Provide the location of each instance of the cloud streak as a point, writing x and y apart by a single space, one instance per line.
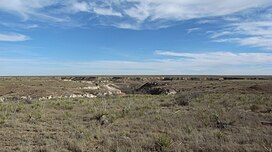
256 34
173 63
133 11
221 58
253 28
184 10
13 37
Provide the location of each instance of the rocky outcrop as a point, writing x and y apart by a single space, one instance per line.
155 88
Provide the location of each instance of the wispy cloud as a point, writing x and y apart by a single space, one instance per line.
253 28
134 11
80 7
222 58
173 63
127 26
106 12
183 9
19 25
192 30
26 8
13 37
256 34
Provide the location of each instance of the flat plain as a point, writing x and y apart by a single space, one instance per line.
136 113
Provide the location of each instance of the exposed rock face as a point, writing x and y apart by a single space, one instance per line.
172 92
155 88
82 96
46 98
14 89
111 88
79 78
91 88
86 95
26 99
97 86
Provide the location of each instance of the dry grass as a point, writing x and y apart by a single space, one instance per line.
211 122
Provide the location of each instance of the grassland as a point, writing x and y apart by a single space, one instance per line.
191 120
211 122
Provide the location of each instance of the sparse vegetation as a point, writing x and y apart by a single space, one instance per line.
184 99
163 143
212 121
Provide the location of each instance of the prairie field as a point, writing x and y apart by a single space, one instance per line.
140 113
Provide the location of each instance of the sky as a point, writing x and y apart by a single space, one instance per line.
135 37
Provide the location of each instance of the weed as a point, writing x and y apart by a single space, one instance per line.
3 118
214 117
63 105
34 116
219 134
184 99
67 115
72 146
124 112
163 142
188 129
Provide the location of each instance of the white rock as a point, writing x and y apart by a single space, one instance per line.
91 87
172 92
67 80
50 97
2 99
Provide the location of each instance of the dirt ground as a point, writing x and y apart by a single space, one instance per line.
135 114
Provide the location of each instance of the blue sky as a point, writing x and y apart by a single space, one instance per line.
123 37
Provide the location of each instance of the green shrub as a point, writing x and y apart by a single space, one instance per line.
163 143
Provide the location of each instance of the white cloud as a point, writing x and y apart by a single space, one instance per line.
19 25
25 7
205 21
264 42
192 30
251 29
31 26
107 12
14 37
220 34
232 19
253 33
127 26
80 7
221 58
139 11
184 9
254 28
182 63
